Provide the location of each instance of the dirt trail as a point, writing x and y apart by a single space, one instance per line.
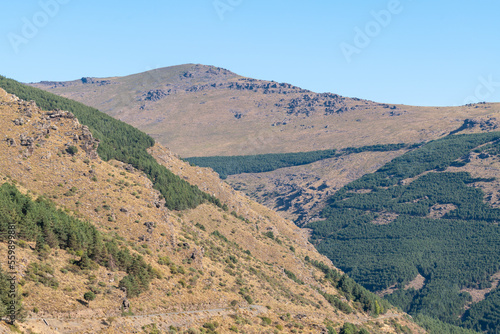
47 325
44 325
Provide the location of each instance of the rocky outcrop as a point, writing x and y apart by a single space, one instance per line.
483 124
88 143
206 73
156 94
59 114
26 141
89 80
310 103
20 121
11 141
54 84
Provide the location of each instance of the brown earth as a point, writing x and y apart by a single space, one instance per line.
118 200
299 193
417 283
199 110
479 294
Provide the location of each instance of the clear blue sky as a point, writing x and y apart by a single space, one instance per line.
423 53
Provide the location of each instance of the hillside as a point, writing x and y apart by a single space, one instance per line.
238 267
415 224
423 230
202 111
199 110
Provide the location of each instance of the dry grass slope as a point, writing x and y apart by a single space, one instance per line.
206 277
199 110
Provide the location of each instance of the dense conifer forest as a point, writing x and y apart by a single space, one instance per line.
260 163
379 230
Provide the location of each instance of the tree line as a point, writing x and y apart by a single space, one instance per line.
118 141
260 163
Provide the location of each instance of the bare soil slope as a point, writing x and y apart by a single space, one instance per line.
199 110
235 276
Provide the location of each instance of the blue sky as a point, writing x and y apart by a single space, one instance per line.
396 51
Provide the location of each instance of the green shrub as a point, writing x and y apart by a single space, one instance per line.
43 273
331 330
200 226
348 328
292 276
211 325
72 150
269 234
89 296
164 260
219 235
266 321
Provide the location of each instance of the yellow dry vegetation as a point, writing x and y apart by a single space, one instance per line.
200 115
206 276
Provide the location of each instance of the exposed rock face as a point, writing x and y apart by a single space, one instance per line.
20 121
156 94
309 103
201 71
26 141
88 143
60 114
125 304
129 168
483 124
149 226
11 141
54 84
197 256
44 124
305 105
88 80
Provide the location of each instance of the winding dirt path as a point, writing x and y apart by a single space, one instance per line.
129 324
48 325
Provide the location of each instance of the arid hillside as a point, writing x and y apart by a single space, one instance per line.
239 269
199 110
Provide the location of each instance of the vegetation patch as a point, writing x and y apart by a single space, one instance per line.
119 141
368 301
51 228
458 249
260 163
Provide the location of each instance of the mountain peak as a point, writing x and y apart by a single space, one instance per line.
220 263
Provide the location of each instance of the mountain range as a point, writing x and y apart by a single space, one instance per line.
116 234
199 111
403 199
